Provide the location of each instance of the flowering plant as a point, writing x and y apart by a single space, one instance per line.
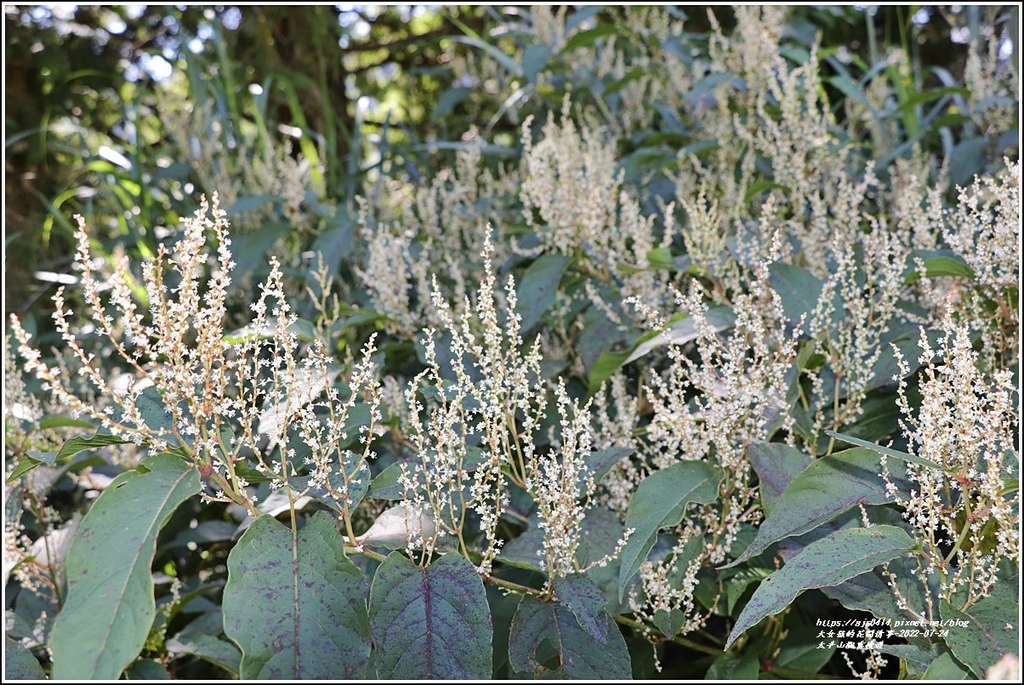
714 379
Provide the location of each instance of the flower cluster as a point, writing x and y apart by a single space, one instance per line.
436 232
226 400
480 434
962 508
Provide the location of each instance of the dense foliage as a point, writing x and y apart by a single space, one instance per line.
512 342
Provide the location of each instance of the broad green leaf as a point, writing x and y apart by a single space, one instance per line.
578 594
503 606
825 563
888 451
535 59
604 368
776 466
684 330
602 531
249 203
587 38
870 591
431 622
798 288
385 484
945 667
250 248
917 656
208 648
334 242
733 666
296 605
110 605
537 289
448 101
153 410
602 335
659 502
979 635
936 263
602 461
799 650
827 488
147 669
19 664
660 258
967 158
577 654
758 187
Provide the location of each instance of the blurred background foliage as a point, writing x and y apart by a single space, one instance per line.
125 114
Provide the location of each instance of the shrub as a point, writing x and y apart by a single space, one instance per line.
687 372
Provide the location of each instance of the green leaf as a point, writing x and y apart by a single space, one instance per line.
587 38
888 451
448 101
733 666
602 529
27 463
937 263
945 667
659 502
495 53
249 203
296 605
73 446
604 368
249 249
776 466
684 330
431 622
799 650
148 669
798 288
19 664
535 59
924 96
201 638
827 488
385 485
827 562
602 335
758 187
153 410
63 422
537 289
966 159
578 594
979 635
660 258
602 461
870 591
539 625
110 606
